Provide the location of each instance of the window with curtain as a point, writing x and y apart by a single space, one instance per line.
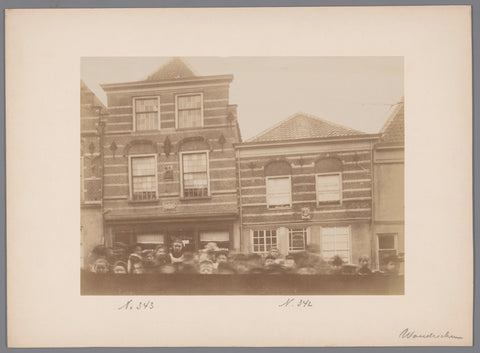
189 111
144 178
146 113
336 241
195 174
297 239
279 192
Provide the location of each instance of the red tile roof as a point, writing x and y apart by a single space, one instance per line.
174 69
303 126
393 131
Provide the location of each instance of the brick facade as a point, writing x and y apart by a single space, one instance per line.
238 207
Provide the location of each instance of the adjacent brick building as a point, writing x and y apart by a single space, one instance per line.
91 129
307 182
389 188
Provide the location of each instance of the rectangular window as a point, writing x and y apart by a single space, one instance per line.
222 239
195 174
336 241
150 239
329 188
143 178
147 113
189 111
264 240
297 239
387 246
279 192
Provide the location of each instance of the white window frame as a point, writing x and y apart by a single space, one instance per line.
305 236
252 232
130 176
201 110
181 172
134 108
340 191
349 241
267 190
395 244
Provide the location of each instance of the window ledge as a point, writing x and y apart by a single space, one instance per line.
328 203
143 202
279 208
195 198
91 204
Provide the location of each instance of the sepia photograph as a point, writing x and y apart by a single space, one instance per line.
242 175
276 170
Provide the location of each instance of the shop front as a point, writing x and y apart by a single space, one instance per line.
195 233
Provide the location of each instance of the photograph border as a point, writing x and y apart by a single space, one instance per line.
249 3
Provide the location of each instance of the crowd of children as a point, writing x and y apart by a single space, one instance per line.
212 260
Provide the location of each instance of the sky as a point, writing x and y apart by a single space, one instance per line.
357 92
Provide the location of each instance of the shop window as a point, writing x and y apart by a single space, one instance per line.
150 241
297 239
189 111
195 179
222 239
146 113
336 241
143 171
264 240
187 238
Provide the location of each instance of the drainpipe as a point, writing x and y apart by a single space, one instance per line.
101 128
372 193
237 155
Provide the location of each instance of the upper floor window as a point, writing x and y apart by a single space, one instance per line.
189 110
279 192
146 113
278 184
329 188
195 179
328 180
143 178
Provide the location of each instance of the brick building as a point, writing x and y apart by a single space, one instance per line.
389 187
307 182
165 160
169 161
91 125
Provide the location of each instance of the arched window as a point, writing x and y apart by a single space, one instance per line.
279 184
328 181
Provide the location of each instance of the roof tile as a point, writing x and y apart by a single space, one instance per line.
394 129
174 69
303 126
